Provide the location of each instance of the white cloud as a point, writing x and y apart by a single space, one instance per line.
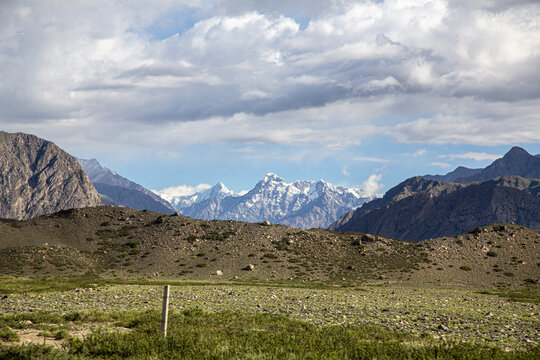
87 73
473 156
180 190
417 153
372 185
345 171
441 164
370 159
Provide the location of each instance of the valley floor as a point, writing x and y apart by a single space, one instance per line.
435 314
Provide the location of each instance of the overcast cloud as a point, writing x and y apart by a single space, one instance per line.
300 73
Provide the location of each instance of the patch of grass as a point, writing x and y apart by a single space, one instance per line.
526 295
31 352
17 285
115 233
194 334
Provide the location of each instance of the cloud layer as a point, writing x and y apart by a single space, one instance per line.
327 73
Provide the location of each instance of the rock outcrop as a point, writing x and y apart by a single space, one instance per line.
37 178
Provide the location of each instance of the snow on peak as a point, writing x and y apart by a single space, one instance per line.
272 177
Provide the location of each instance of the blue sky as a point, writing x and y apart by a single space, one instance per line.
196 92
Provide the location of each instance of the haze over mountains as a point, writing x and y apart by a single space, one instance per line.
37 177
421 207
301 204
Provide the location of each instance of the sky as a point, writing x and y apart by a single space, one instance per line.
177 93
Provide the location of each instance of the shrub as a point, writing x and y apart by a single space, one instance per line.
465 268
491 253
7 334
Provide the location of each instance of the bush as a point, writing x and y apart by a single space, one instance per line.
61 334
7 334
491 253
465 268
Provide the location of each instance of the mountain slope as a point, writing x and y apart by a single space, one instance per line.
37 177
407 188
459 172
120 191
301 204
424 215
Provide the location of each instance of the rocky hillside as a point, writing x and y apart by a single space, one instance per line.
116 190
301 204
113 241
37 177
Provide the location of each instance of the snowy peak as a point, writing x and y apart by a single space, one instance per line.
272 177
303 204
217 191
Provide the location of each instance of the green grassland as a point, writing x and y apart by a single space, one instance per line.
90 317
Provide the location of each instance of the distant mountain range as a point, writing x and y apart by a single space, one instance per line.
37 178
116 190
426 207
302 204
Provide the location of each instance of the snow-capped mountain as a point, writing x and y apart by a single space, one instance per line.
185 201
302 204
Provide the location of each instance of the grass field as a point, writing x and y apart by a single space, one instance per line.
90 317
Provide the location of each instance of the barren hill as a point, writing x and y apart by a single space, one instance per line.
120 241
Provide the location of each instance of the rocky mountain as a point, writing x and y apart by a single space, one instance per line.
426 215
421 208
301 204
37 177
116 190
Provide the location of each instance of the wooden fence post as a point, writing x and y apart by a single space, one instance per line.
165 310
